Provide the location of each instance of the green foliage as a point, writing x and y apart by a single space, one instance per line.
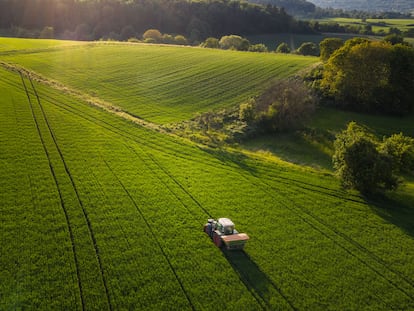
308 49
247 111
212 43
283 48
180 40
234 42
394 39
401 149
284 106
371 77
260 47
152 34
137 199
328 46
359 164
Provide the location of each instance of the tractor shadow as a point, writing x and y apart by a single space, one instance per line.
256 281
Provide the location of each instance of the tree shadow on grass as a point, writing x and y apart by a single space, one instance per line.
231 157
263 289
308 147
396 208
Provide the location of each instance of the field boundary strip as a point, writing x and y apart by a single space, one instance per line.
90 100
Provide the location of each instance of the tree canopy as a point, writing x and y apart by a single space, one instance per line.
197 20
371 76
359 164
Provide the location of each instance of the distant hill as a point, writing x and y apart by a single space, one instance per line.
403 6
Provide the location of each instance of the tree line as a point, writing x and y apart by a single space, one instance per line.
96 19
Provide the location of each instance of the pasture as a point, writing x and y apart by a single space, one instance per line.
98 212
161 84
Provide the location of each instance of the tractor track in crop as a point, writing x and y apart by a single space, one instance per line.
261 300
315 222
152 234
62 204
288 181
85 214
135 138
131 137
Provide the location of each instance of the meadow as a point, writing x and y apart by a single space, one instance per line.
161 84
98 212
377 24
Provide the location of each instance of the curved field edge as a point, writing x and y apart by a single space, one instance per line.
147 196
162 84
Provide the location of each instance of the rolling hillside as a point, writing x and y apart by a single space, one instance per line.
161 83
98 212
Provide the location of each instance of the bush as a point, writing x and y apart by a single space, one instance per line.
401 149
212 43
283 48
285 106
328 46
359 164
234 42
308 49
260 47
152 35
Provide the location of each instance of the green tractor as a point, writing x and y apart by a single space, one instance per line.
223 234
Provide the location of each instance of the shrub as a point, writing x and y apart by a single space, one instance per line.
152 35
234 42
212 43
260 47
401 149
308 49
283 48
359 164
285 106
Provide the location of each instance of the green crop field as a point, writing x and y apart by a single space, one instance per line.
162 83
100 213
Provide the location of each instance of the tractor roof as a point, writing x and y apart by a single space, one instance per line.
226 222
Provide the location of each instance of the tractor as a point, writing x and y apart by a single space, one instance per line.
223 234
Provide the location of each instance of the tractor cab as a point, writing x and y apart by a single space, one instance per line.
225 226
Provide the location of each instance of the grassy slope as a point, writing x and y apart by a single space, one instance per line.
163 83
146 196
314 146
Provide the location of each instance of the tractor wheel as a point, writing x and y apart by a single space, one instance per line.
217 240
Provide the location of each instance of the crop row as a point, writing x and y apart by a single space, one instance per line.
162 84
302 278
124 241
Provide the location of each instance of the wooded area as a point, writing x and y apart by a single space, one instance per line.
92 20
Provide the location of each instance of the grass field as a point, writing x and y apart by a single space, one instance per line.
377 24
162 83
97 212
